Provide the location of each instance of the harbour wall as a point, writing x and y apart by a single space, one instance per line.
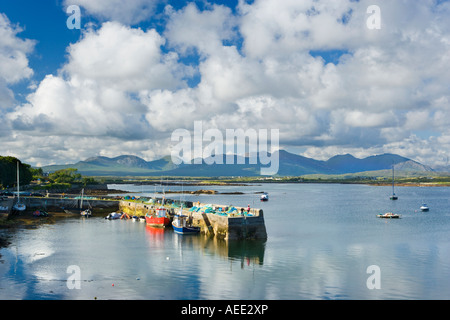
60 203
231 227
228 227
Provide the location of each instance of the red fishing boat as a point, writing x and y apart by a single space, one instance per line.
158 219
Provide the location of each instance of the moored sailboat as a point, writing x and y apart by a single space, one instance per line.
393 196
265 196
18 206
83 213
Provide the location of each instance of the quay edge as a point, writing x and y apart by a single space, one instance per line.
57 204
235 227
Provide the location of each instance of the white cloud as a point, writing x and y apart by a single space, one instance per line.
97 92
278 28
13 59
204 31
365 119
123 58
13 52
255 68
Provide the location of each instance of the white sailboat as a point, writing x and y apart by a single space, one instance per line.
393 196
424 207
265 196
84 213
87 212
18 206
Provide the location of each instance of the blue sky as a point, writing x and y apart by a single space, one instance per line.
41 21
138 70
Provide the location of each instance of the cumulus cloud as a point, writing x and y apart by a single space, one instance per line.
265 64
189 28
14 64
124 58
384 83
96 92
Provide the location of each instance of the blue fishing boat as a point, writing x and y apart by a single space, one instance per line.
182 226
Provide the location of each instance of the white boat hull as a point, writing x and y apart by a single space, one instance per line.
19 207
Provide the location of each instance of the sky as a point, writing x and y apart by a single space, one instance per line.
332 76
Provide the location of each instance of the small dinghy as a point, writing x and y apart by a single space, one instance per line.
86 213
264 197
113 216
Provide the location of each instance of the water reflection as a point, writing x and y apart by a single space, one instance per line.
248 251
319 250
155 236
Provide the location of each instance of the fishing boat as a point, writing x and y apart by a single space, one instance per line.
389 215
182 226
393 196
264 197
424 207
18 206
158 219
180 222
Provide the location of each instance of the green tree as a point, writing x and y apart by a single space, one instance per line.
69 175
37 173
8 172
88 180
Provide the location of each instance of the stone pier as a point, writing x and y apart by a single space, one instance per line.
58 204
233 227
227 227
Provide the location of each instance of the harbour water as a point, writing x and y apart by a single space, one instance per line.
322 238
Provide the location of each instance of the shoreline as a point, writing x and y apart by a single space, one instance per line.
27 220
415 184
287 180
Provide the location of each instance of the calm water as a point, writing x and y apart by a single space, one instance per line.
321 240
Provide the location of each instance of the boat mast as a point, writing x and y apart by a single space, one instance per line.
81 204
181 203
393 197
18 183
393 179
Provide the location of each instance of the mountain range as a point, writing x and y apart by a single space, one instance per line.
289 165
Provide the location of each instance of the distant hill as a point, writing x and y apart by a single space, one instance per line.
349 164
120 166
289 165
